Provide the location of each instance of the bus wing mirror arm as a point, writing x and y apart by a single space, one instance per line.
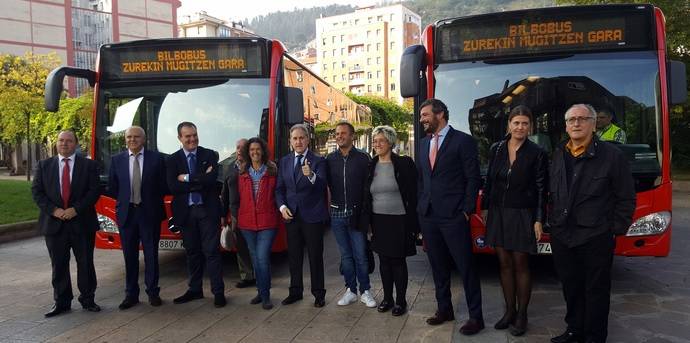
295 105
677 83
412 64
54 82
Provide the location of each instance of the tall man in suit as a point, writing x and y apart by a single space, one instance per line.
137 181
448 170
65 188
192 174
301 198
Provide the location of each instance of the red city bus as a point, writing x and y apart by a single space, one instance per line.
611 57
231 88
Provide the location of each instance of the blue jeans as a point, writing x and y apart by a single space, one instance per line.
259 244
353 254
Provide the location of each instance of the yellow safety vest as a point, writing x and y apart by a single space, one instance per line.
610 133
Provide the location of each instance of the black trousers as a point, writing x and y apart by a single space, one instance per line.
301 234
394 272
449 240
135 230
71 236
201 239
585 272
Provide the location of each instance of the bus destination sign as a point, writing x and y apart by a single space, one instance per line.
463 40
219 60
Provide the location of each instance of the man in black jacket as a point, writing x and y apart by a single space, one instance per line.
348 173
192 174
592 199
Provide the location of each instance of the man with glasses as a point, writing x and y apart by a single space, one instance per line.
592 198
606 130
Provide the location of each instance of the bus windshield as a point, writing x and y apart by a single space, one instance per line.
480 94
222 111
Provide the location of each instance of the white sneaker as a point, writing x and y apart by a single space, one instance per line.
348 298
367 299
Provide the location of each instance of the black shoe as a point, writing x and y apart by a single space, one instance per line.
508 318
440 318
128 303
245 283
188 296
472 326
568 337
266 305
255 300
399 310
519 327
291 299
57 309
219 300
319 302
91 306
384 306
155 300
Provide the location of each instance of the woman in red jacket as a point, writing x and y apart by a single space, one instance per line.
257 216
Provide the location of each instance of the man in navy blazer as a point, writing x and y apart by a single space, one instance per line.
65 188
137 181
192 174
301 198
448 170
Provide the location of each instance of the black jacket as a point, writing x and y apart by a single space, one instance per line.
526 184
347 179
406 177
601 196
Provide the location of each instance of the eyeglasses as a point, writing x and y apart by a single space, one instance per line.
573 120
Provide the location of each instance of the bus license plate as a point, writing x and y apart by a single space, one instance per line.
544 248
170 244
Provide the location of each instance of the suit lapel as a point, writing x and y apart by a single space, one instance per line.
424 154
77 174
54 169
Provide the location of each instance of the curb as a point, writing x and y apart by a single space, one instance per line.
16 231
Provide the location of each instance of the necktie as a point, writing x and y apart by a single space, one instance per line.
65 183
298 166
136 181
434 151
196 197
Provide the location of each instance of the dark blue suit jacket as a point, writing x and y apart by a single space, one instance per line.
202 182
300 195
451 188
153 186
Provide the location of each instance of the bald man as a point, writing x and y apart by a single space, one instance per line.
137 181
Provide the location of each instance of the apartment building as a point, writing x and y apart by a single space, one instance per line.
360 52
201 24
75 29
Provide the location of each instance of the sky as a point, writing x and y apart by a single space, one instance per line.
237 10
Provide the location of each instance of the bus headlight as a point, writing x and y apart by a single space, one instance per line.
107 225
651 224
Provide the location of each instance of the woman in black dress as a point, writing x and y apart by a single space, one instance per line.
514 195
390 209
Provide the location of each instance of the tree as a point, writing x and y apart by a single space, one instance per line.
386 112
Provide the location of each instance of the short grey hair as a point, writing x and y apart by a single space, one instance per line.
588 107
302 127
136 127
387 132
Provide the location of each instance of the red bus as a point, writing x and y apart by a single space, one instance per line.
231 88
611 57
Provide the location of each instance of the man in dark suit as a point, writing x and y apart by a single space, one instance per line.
448 171
301 198
192 174
137 181
65 188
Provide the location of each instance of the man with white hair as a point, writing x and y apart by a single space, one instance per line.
592 198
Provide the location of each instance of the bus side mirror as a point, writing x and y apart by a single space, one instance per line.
677 83
295 105
412 63
53 89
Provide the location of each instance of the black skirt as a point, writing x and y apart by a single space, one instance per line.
511 229
390 236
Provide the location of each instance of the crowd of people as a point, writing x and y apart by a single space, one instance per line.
378 204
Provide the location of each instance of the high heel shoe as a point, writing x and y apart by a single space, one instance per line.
520 326
507 320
